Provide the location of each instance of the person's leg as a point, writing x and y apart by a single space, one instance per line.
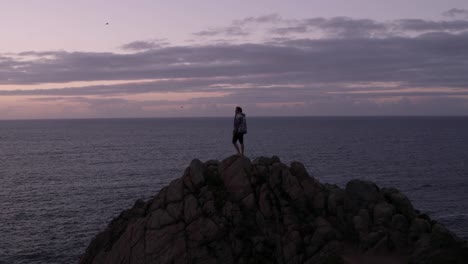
237 148
241 141
234 142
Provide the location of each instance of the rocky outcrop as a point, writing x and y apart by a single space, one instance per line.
238 211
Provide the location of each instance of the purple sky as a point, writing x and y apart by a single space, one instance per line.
59 59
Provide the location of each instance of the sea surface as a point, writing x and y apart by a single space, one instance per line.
62 181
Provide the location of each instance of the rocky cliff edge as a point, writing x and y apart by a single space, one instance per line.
263 211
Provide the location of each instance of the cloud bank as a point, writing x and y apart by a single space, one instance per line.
313 66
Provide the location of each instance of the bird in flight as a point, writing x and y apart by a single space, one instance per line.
107 23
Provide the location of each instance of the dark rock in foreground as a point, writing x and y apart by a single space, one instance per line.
238 211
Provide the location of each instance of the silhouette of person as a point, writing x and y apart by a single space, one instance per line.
240 129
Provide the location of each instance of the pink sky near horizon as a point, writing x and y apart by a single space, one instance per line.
76 32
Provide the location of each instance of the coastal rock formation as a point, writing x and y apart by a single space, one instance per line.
263 211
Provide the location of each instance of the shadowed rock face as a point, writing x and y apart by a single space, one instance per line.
238 211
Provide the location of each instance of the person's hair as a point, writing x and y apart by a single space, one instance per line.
238 109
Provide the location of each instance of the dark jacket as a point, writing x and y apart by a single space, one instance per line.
240 123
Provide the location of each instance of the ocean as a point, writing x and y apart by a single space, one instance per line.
62 181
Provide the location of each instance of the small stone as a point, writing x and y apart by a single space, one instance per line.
175 191
399 223
383 212
418 227
175 210
197 172
191 209
335 199
249 202
160 218
298 170
361 194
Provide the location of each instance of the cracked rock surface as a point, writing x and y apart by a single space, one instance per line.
263 211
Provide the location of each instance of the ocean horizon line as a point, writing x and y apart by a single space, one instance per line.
250 116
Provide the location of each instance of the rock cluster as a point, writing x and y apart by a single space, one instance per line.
262 211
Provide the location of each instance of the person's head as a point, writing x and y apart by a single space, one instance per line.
238 110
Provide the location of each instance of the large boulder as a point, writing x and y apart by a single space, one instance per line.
238 211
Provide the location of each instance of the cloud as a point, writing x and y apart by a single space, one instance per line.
189 85
145 45
226 31
436 59
270 18
394 60
290 30
336 26
424 25
241 28
456 12
345 27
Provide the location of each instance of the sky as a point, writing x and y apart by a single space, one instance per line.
121 59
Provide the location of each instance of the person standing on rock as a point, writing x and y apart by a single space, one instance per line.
240 128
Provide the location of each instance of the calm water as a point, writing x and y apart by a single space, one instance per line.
62 181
